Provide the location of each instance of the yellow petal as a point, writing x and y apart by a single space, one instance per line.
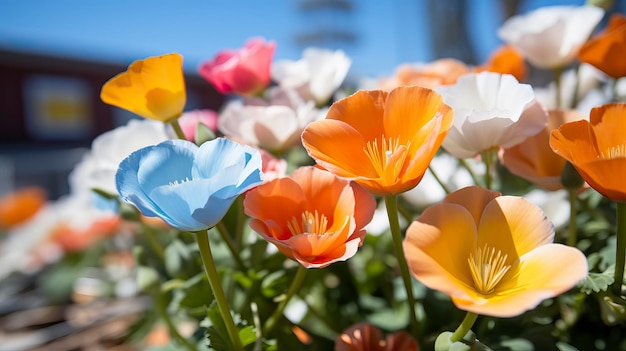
542 273
514 226
473 198
437 247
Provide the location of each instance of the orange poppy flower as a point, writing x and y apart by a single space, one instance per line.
493 255
153 88
506 60
534 160
20 205
383 141
73 239
311 216
606 51
366 337
597 149
431 75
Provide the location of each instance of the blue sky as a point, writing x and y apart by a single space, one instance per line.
121 31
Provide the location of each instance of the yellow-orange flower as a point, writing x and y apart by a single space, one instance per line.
383 141
311 216
493 255
431 75
366 337
506 60
20 205
534 160
607 50
597 149
153 88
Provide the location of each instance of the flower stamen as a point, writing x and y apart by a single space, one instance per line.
314 223
380 156
615 151
488 268
182 181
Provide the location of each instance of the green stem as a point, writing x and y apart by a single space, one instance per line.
576 87
557 82
221 229
572 237
391 202
241 220
179 132
620 255
443 185
295 286
488 160
202 238
465 327
173 331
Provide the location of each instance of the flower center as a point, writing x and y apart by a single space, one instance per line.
614 152
381 155
182 181
314 223
488 268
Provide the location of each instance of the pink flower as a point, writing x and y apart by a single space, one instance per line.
245 71
189 122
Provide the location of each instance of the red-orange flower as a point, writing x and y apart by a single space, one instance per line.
607 50
597 149
493 255
366 337
72 238
153 88
506 60
20 205
534 160
311 216
383 141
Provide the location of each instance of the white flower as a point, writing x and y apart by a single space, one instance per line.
273 125
550 37
316 76
490 110
97 168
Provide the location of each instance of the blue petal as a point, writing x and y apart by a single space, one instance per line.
128 187
168 162
217 155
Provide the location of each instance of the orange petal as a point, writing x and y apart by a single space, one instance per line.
609 126
606 177
363 111
514 226
338 147
574 141
437 246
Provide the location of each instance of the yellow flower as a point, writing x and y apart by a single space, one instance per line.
493 255
153 88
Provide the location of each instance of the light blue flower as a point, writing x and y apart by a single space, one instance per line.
187 186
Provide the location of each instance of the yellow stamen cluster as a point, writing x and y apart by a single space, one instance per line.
314 223
379 155
488 268
614 152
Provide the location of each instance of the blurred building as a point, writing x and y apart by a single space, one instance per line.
50 111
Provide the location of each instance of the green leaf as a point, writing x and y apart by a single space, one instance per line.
146 277
203 134
596 282
175 255
247 335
